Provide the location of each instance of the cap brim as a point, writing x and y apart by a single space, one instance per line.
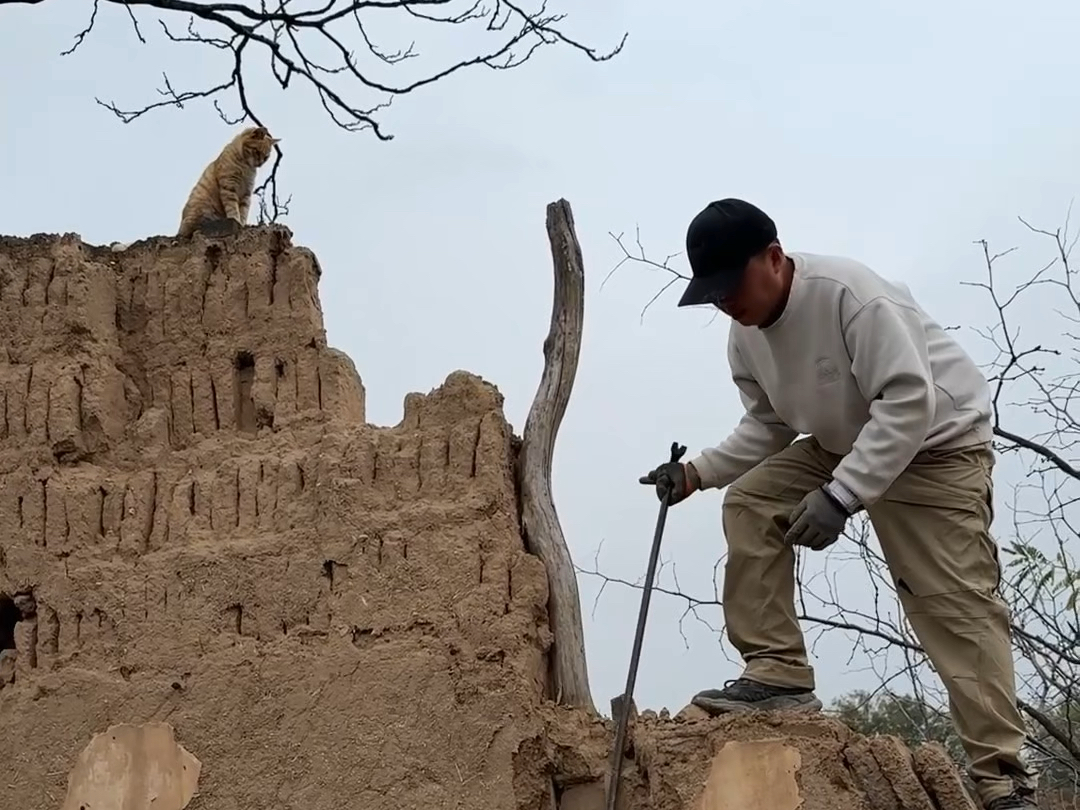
706 290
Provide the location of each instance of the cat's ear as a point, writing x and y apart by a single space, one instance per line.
263 134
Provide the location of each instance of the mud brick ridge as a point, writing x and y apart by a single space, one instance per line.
198 527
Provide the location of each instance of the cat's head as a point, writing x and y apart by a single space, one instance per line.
257 143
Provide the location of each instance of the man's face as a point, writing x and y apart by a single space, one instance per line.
760 291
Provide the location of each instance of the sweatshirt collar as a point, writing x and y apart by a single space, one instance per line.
793 294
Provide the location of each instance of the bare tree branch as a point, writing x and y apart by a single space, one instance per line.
318 46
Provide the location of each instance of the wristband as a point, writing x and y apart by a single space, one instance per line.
843 497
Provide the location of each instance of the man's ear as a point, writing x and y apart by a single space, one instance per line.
774 255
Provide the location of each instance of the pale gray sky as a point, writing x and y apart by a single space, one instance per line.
894 135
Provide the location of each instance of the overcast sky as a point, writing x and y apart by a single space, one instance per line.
896 135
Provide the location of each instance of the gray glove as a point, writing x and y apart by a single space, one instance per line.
681 479
817 521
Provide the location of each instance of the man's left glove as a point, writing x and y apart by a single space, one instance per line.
817 521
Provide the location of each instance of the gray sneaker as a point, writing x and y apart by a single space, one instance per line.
1020 799
744 695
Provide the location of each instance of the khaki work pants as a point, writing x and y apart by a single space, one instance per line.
933 528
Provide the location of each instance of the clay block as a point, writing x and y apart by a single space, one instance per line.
938 774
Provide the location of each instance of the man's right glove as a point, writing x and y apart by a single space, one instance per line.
681 479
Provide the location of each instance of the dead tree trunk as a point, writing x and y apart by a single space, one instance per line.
569 676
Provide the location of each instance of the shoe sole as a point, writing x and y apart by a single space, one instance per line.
714 706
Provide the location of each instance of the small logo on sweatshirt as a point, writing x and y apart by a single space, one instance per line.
827 372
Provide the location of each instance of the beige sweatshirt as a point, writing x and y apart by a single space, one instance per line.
856 363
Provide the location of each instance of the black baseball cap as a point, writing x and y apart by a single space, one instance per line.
719 243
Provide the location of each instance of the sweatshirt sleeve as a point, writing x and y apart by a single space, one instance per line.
891 365
759 434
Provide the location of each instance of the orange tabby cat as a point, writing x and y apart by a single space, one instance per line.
225 186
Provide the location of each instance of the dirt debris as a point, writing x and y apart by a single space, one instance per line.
200 527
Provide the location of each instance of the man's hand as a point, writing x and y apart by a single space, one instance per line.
817 521
681 479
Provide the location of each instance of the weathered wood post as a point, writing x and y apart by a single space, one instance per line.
543 534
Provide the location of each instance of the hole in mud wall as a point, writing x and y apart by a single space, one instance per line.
9 616
245 405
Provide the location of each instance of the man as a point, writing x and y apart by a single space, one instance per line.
897 422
